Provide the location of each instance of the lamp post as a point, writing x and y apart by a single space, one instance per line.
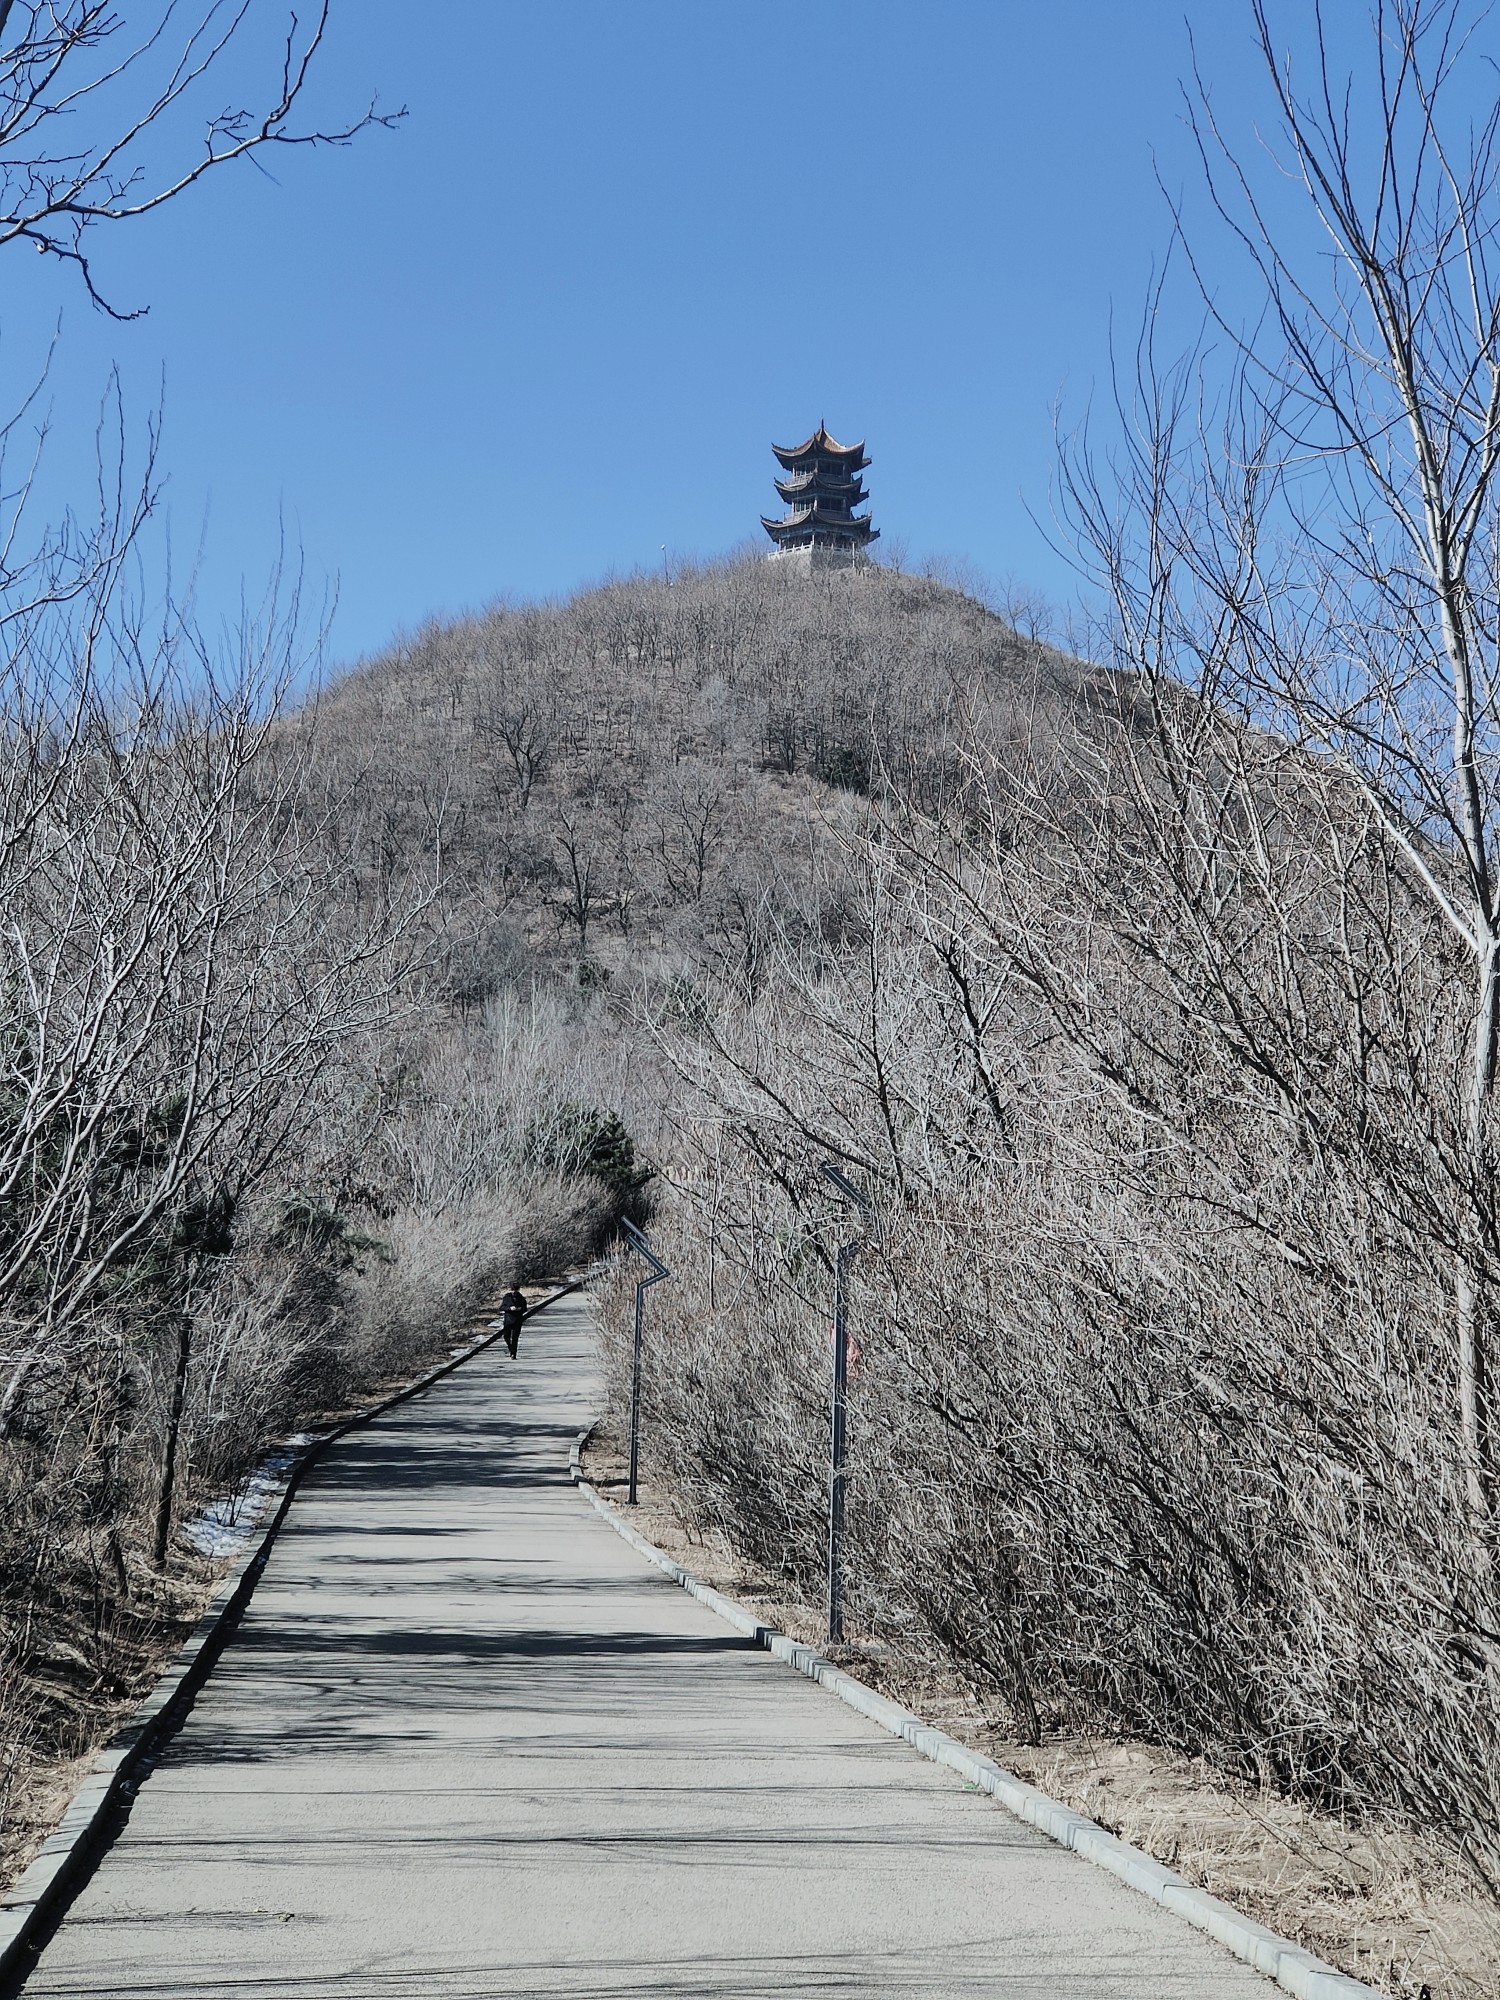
638 1243
843 1258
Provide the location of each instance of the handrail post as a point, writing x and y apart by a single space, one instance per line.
638 1243
843 1257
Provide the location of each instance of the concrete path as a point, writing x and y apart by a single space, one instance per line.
466 1743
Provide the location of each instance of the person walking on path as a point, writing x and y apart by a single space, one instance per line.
512 1312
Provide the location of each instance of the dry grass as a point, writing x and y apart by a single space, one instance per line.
1376 1902
70 1692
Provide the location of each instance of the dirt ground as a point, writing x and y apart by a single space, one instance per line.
1373 1901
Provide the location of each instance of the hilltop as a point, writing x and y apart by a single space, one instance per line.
633 772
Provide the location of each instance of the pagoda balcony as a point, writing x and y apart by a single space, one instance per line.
845 502
835 477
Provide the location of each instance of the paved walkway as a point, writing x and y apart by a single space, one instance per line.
466 1743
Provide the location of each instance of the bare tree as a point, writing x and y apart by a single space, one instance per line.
694 821
1316 544
580 842
182 969
525 733
103 118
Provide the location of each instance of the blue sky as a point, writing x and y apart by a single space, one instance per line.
554 321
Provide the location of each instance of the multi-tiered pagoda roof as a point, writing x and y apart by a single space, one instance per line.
822 487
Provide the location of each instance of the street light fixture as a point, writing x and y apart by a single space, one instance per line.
843 1258
638 1243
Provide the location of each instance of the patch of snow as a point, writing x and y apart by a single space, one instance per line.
228 1523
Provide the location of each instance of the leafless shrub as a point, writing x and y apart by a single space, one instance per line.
1151 1420
438 1267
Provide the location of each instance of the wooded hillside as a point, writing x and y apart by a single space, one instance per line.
326 1023
1125 1012
1137 1024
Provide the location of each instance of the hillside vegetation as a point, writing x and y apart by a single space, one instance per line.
1141 1032
323 1024
1152 1005
1126 1013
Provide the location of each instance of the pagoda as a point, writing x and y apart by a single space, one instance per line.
821 488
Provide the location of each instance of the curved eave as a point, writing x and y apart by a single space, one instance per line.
808 524
820 445
849 492
821 517
853 460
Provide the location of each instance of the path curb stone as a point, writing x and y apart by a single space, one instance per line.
63 1862
1295 1970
